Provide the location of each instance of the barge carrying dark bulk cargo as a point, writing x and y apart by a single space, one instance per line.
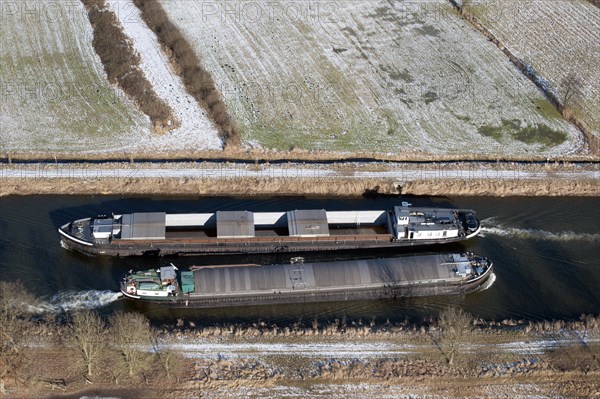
299 282
226 232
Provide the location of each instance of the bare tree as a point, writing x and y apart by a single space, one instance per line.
171 363
131 335
455 329
86 335
15 320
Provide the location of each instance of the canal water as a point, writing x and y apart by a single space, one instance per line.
546 253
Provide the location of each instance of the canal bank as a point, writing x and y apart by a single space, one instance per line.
345 179
279 186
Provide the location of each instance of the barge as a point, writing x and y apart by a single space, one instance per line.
300 282
243 232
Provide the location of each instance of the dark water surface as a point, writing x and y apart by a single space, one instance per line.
546 253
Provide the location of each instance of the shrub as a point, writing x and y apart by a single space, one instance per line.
197 80
121 64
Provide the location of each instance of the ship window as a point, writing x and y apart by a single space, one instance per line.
412 234
149 286
444 233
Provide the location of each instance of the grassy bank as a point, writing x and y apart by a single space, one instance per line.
298 155
298 186
265 360
230 186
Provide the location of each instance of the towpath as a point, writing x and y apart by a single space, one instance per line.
398 172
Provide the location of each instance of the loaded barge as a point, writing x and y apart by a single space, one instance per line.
299 282
227 232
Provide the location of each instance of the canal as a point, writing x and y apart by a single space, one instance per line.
546 253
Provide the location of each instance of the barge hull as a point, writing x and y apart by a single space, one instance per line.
299 282
314 297
246 247
245 232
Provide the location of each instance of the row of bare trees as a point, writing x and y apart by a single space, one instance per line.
123 347
15 304
122 65
127 338
197 79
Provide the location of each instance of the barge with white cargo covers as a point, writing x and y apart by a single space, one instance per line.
300 282
230 232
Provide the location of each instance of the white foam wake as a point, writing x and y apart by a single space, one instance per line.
69 301
534 234
488 283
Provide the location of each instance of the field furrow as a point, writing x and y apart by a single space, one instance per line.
55 96
559 39
194 127
376 76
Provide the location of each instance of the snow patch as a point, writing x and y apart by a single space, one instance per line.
99 397
401 173
314 350
195 128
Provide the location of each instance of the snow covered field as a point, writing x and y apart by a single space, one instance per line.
55 95
558 39
194 126
360 76
376 76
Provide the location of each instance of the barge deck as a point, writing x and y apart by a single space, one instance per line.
299 282
228 232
